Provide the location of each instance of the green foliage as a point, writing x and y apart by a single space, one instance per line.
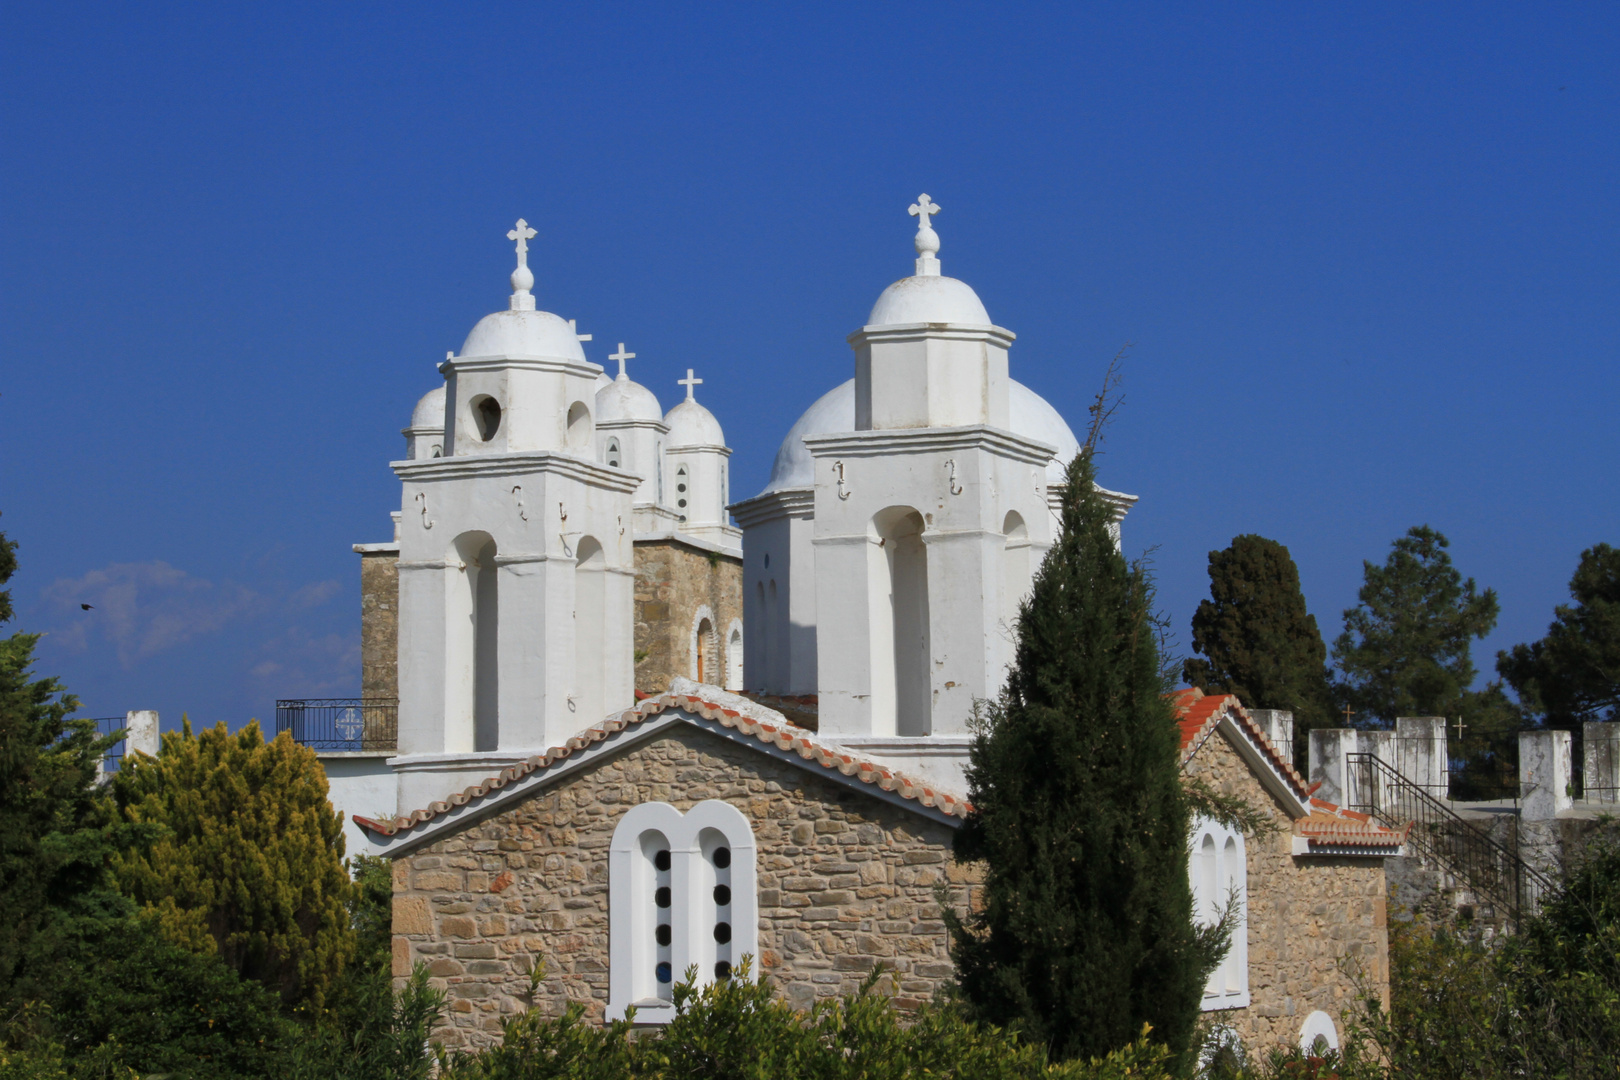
1086 931
1405 650
739 1030
247 857
1259 640
1573 674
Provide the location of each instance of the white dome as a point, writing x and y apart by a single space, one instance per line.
429 412
690 424
1028 414
523 333
602 382
929 299
622 399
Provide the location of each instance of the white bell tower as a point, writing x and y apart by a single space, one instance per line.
924 515
515 566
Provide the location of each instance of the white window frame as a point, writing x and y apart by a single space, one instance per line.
633 952
1218 864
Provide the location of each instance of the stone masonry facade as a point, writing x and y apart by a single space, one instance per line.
1317 924
379 624
674 581
846 882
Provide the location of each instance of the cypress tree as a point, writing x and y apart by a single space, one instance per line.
1086 927
248 861
1258 639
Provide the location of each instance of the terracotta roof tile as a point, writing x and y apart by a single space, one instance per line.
783 736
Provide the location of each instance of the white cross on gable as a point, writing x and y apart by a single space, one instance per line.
923 210
577 334
689 382
522 234
621 356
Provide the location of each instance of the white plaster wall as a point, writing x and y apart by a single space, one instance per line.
359 784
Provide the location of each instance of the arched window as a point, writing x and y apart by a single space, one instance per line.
1318 1033
1015 578
1219 870
471 645
763 675
681 892
900 630
590 600
578 436
734 656
613 452
706 651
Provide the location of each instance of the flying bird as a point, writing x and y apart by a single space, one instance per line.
85 606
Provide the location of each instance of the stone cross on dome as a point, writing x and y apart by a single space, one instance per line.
621 356
522 277
927 240
689 382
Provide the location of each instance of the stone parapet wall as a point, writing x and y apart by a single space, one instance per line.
674 582
1316 924
379 624
846 881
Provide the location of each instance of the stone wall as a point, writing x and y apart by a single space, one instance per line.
379 624
674 581
1316 923
846 881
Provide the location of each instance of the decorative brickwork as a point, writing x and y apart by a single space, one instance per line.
846 881
1316 923
379 624
674 583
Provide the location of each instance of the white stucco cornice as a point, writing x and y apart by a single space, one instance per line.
786 502
522 463
890 441
631 422
556 364
390 548
1000 335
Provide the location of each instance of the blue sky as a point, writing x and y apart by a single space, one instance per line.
1368 260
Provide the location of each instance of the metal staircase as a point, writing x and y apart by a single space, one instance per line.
1493 873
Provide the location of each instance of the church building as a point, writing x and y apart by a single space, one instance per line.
589 774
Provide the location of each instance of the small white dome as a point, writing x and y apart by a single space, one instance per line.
690 424
429 412
1028 414
523 333
930 299
622 399
602 382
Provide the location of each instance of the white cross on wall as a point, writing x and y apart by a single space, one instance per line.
687 382
621 356
923 210
522 234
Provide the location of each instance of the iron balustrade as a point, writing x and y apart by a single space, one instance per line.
106 725
343 724
1492 871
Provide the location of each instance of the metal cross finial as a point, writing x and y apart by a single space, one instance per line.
1460 728
621 356
923 210
522 234
1348 713
687 382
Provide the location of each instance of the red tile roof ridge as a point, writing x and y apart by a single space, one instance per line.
650 706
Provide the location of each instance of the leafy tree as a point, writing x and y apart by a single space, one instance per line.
1086 931
1573 674
1405 650
1260 642
249 862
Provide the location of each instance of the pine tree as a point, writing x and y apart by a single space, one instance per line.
1405 650
1573 674
249 862
47 791
1086 929
1260 642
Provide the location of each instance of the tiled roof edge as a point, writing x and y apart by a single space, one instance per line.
784 736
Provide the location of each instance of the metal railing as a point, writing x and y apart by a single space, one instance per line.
350 724
1491 871
106 725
